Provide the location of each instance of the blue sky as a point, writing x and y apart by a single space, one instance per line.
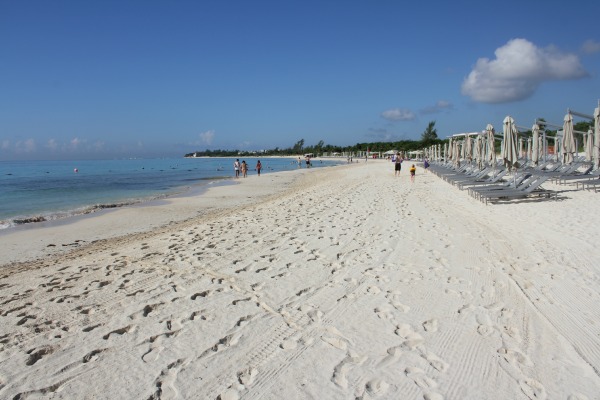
97 79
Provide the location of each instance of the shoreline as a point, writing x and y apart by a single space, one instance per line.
39 239
89 207
65 217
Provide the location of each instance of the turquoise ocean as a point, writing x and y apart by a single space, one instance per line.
32 191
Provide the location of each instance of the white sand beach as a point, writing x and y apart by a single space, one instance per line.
332 283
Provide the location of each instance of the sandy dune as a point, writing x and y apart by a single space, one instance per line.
335 283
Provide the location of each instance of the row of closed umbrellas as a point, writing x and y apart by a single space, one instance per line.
481 147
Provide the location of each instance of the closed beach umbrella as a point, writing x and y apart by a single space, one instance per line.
468 148
479 151
589 145
509 147
568 141
520 151
597 137
456 153
491 145
450 149
535 152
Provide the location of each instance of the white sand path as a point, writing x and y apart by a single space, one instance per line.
349 283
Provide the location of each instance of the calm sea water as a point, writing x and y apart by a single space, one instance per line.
59 189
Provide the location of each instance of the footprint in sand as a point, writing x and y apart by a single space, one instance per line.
384 312
152 354
431 325
436 362
340 371
247 376
420 378
377 387
335 342
288 344
411 338
373 290
432 396
393 356
533 389
515 356
485 330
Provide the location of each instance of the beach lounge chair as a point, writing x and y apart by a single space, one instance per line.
533 187
476 174
490 180
590 184
576 178
513 183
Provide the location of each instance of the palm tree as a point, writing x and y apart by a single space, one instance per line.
430 133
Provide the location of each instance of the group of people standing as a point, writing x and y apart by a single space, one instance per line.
242 168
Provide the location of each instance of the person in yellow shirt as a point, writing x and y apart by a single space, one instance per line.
412 171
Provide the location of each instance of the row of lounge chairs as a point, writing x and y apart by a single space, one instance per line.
492 184
488 184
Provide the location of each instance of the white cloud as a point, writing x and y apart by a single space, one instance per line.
398 114
518 70
27 146
590 47
75 142
207 137
439 106
52 144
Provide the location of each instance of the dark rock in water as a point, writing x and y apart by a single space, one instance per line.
103 206
29 220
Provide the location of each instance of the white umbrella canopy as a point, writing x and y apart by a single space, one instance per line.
491 144
450 149
509 147
589 145
535 151
568 141
597 137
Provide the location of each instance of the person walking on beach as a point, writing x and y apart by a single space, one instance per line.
236 167
244 169
426 164
397 165
258 167
412 171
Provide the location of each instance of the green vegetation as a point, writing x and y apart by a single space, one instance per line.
320 148
428 138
